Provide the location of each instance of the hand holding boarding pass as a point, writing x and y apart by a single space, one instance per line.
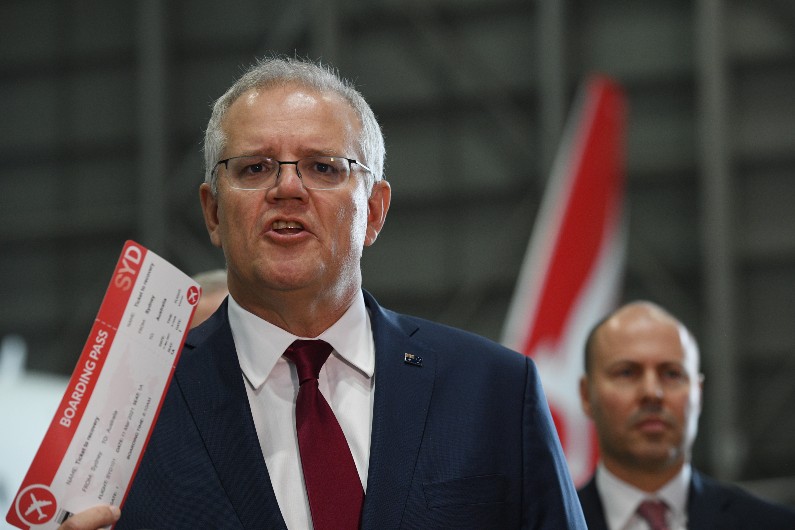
94 443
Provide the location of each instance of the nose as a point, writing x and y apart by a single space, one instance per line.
651 386
288 183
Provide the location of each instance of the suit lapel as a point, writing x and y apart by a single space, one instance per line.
704 504
592 506
400 408
210 380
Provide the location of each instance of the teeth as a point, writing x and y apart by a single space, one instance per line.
279 225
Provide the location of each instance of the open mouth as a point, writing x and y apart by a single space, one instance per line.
287 227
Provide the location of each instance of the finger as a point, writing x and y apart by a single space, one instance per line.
92 518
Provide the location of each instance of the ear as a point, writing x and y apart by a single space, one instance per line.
210 210
700 392
377 207
585 400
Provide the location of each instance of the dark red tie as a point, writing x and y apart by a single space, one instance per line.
654 514
332 482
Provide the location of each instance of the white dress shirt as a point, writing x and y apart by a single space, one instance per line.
621 500
346 381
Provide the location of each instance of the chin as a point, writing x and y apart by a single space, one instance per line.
287 275
661 457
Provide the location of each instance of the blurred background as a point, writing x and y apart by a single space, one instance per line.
103 105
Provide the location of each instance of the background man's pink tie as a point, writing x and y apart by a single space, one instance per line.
654 513
332 482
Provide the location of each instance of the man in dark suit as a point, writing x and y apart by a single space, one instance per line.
642 388
445 429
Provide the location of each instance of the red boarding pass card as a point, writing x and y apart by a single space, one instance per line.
92 448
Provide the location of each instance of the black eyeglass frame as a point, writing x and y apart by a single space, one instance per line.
351 161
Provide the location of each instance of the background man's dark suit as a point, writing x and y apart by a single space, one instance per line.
458 442
710 506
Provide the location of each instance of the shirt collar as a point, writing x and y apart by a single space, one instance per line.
260 344
674 493
625 498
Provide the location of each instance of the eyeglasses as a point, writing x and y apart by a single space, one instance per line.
257 172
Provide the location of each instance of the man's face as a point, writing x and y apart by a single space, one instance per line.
289 238
643 392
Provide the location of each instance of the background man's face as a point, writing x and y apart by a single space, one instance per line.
644 392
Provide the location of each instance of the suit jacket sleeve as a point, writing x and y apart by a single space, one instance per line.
550 498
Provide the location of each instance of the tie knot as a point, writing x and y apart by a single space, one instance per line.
308 357
653 511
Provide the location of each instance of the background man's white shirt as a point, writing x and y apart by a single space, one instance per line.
620 500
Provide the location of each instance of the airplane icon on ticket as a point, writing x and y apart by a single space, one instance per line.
37 505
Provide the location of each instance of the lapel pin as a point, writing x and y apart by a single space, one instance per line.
410 358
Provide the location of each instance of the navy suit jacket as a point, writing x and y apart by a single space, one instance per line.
711 505
463 441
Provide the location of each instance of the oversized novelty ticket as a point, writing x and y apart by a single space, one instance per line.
92 448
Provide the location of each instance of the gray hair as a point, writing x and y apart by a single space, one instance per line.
279 71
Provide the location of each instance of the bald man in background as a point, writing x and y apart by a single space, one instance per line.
643 389
214 291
